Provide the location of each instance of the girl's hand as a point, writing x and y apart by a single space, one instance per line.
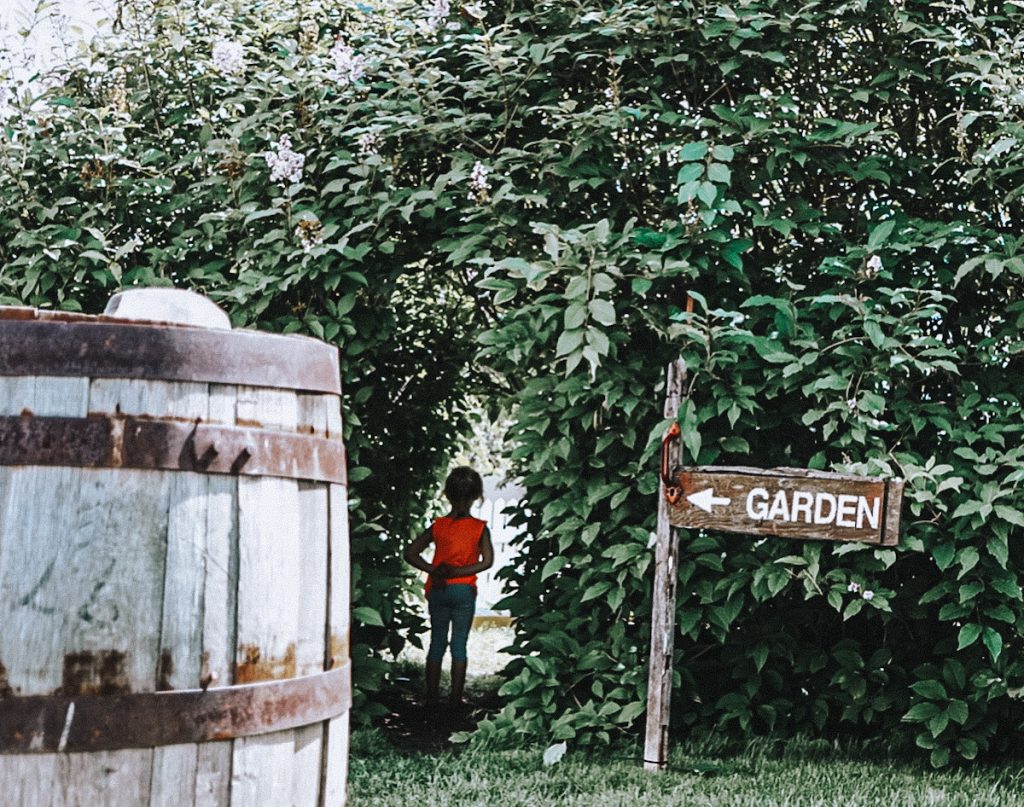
439 576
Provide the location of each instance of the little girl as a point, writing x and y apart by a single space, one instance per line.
462 547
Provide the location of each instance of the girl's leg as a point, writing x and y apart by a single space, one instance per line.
440 619
463 606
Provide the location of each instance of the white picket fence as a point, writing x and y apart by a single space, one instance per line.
496 499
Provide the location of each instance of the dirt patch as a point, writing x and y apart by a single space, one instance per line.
414 726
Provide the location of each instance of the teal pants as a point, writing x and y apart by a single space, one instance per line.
451 607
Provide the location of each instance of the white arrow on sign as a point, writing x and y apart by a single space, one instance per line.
706 499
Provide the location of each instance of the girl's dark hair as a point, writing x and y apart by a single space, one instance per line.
463 486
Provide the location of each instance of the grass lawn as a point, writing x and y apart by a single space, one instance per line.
797 774
407 762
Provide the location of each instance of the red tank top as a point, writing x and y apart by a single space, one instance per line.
457 543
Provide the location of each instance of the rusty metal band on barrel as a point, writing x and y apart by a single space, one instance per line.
174 445
48 724
167 353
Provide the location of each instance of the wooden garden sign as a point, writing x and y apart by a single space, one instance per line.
783 502
786 502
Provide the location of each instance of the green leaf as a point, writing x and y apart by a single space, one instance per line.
968 558
367 615
689 173
1008 587
569 341
717 172
967 748
880 234
994 642
969 634
940 758
553 566
944 554
707 193
602 311
931 689
595 591
631 711
920 712
957 711
693 151
722 152
874 332
651 239
575 316
1009 514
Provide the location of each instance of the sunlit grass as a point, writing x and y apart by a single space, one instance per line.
764 773
795 774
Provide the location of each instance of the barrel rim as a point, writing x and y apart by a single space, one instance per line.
39 343
64 724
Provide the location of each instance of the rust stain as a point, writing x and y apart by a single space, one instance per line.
253 666
252 424
27 413
164 671
94 673
13 312
337 651
5 685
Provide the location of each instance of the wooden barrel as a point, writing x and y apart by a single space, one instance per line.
173 564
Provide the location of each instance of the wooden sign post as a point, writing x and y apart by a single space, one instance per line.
785 502
663 605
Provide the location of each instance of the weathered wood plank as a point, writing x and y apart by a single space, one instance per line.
182 399
335 754
310 640
213 766
269 571
181 634
45 396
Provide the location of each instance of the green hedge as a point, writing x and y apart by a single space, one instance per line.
837 186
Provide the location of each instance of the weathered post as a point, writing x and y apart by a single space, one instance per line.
173 560
663 616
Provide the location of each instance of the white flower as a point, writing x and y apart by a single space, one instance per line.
875 263
478 185
349 66
369 144
851 404
853 587
868 594
435 14
229 57
285 163
310 234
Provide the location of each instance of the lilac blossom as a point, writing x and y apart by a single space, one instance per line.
285 163
229 57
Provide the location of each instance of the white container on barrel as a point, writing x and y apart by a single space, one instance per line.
174 563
